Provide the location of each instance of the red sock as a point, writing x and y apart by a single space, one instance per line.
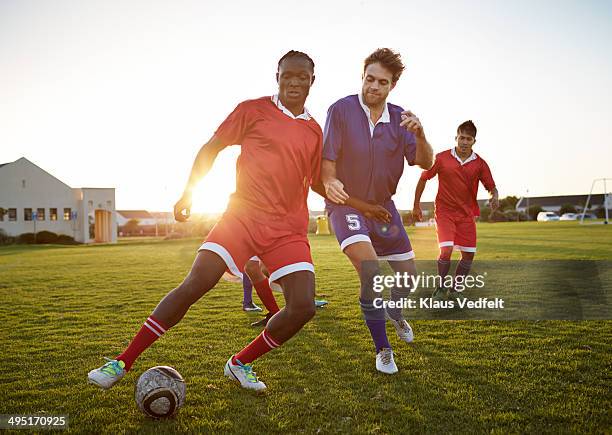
265 294
264 343
148 334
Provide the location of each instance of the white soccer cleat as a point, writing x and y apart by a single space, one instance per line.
244 374
107 375
385 362
403 329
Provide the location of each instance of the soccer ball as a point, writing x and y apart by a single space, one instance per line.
160 392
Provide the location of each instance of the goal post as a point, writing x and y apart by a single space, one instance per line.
606 202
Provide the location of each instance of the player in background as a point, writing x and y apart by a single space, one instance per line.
366 141
459 171
267 216
247 294
257 273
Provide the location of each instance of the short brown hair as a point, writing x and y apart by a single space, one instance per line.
388 59
468 128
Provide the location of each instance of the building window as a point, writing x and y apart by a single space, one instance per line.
67 213
40 214
12 213
53 214
23 183
27 214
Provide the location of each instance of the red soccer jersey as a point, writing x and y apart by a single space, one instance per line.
279 161
458 183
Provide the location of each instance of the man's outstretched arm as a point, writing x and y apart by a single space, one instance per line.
201 165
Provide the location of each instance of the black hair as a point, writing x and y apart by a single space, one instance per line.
298 54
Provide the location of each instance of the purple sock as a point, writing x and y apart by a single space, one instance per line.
375 320
247 288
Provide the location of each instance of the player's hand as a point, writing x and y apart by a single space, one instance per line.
411 123
334 189
417 213
182 208
494 203
377 212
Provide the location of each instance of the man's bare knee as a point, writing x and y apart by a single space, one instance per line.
302 312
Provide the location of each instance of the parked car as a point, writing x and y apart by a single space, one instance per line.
547 216
587 216
569 217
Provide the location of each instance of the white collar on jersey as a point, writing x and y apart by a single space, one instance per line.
383 118
473 156
385 115
305 116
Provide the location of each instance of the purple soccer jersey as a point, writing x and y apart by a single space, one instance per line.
390 241
369 166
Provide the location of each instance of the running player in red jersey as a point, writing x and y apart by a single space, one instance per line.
459 171
267 216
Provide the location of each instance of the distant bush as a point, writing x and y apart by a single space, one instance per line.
567 208
515 216
5 239
26 238
63 239
485 212
46 237
533 211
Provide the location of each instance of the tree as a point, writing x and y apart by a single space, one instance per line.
508 203
567 208
131 226
533 211
485 212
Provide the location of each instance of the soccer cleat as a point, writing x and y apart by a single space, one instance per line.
403 329
264 321
250 307
439 294
320 303
244 374
107 375
385 362
457 296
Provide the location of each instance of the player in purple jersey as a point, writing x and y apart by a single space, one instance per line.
365 143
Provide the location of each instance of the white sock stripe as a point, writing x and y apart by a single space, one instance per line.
152 329
154 323
269 337
267 340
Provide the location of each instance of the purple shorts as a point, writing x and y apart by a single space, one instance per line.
390 241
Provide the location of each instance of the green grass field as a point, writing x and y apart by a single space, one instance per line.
66 307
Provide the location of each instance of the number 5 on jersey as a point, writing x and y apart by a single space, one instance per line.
353 222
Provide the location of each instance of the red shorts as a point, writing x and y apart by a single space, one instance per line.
236 239
459 232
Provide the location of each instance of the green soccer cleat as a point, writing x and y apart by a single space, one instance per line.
457 296
107 375
439 294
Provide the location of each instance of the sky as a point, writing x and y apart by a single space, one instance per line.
124 93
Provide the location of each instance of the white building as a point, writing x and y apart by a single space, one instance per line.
35 200
142 216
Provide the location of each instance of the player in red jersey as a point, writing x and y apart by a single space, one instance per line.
459 171
267 216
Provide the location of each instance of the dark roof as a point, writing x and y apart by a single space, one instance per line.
135 214
554 201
